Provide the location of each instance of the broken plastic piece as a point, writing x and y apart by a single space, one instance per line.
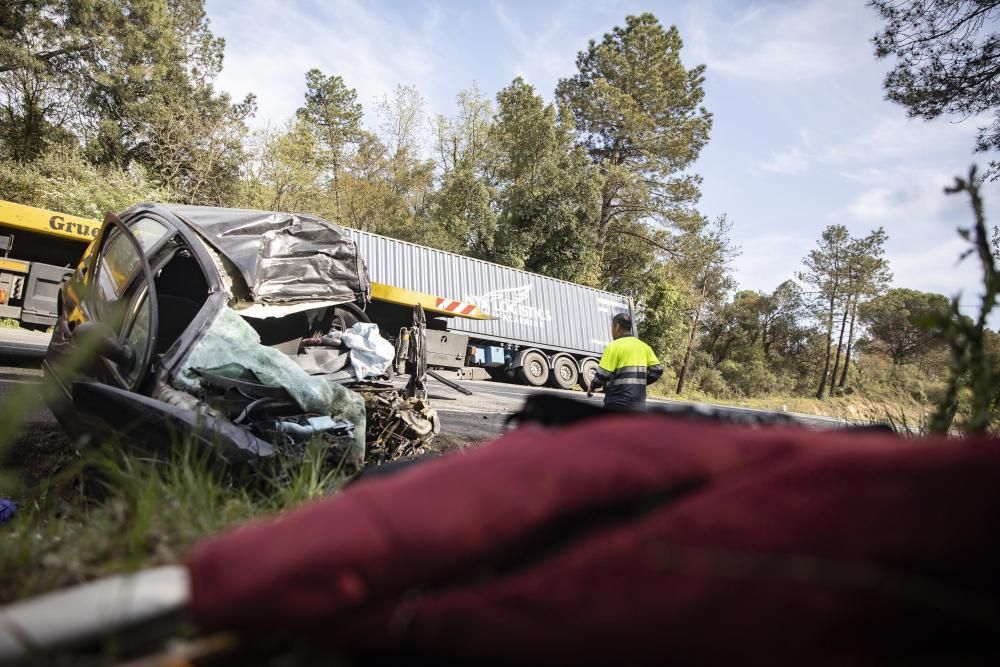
370 353
314 426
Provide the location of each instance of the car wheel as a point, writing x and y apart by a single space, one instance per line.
534 370
564 374
347 315
589 371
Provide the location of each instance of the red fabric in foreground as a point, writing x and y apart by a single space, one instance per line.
639 540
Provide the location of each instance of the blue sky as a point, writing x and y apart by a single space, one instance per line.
802 136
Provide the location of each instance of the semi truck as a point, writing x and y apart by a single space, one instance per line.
484 319
542 331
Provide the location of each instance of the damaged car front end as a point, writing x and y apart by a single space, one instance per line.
244 330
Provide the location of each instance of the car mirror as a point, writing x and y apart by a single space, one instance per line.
102 340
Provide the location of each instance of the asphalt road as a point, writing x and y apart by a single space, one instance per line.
492 402
21 345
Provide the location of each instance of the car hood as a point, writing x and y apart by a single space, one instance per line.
283 257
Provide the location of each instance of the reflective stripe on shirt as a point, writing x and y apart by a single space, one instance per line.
628 375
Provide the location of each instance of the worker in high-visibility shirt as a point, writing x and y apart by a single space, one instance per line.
627 366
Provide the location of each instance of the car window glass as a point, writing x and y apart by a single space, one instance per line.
138 335
148 232
119 261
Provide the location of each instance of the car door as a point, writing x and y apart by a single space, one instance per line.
118 308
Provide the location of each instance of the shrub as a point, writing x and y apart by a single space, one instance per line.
750 379
63 180
710 381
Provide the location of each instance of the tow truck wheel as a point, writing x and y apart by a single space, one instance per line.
534 370
589 370
564 375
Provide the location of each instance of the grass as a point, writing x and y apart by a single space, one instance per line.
9 323
904 415
111 511
89 511
841 407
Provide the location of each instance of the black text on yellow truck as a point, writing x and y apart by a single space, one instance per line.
38 249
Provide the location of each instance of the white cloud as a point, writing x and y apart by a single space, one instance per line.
791 161
541 57
906 195
936 268
757 268
774 43
895 137
271 44
781 61
890 158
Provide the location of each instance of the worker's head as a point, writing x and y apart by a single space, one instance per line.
621 325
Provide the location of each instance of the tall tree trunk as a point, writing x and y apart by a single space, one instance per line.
829 346
840 344
682 375
605 220
607 196
335 146
765 341
850 344
336 187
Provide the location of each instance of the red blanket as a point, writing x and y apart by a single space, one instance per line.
639 540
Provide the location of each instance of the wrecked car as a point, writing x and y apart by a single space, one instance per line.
244 330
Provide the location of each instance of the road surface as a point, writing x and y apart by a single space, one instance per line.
21 345
492 402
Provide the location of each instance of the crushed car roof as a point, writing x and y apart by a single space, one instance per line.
283 257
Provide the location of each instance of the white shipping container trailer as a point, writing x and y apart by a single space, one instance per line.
546 331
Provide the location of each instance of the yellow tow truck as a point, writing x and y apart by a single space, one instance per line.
38 249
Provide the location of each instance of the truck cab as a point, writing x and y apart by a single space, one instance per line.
38 250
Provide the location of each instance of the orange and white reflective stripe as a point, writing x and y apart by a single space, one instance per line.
457 307
430 302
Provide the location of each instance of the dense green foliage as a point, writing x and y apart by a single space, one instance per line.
104 103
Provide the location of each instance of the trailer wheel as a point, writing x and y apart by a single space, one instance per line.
589 370
534 370
564 374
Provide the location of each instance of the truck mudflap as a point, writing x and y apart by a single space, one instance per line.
29 291
41 296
